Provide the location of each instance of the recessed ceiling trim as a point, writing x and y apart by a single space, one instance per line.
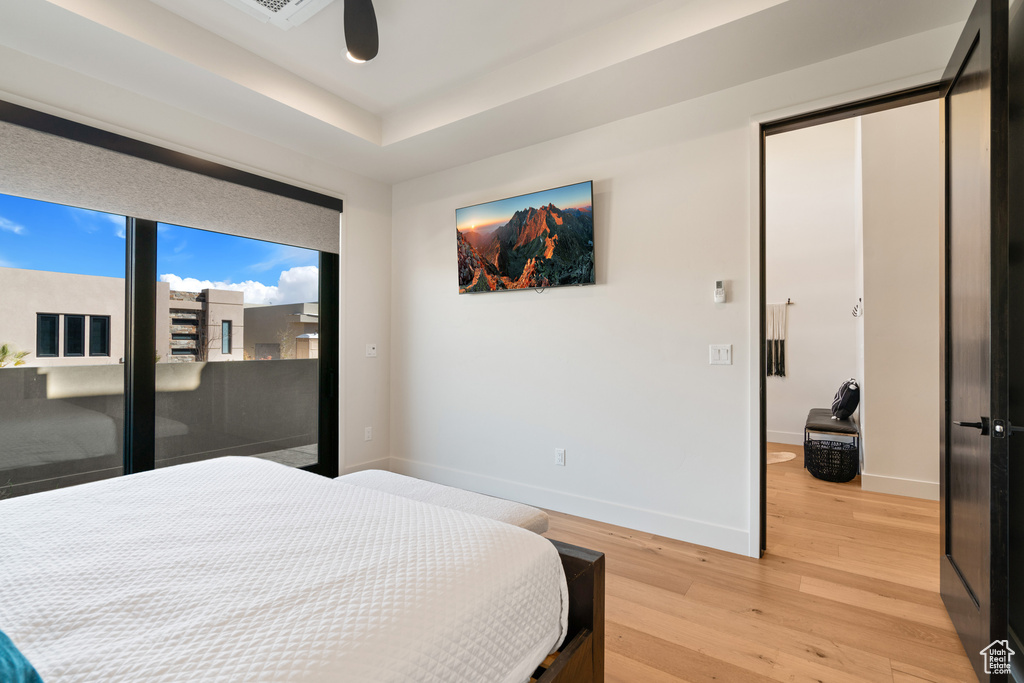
165 31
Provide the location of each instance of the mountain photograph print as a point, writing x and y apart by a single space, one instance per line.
544 239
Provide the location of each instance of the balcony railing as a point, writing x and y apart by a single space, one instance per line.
64 425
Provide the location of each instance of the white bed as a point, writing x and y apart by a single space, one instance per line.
240 569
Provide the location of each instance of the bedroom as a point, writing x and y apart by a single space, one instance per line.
616 374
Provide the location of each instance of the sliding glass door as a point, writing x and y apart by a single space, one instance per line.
238 332
127 345
62 313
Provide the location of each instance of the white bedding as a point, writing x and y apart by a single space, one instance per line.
449 497
240 569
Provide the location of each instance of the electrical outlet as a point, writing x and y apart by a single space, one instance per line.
371 350
560 456
368 434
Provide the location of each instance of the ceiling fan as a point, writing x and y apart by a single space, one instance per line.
361 37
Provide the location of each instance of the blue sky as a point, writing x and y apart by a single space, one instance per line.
40 236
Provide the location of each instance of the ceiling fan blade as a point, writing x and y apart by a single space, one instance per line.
361 29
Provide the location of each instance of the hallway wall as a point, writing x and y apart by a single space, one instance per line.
811 257
903 195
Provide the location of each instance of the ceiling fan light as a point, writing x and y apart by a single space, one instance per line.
353 58
360 30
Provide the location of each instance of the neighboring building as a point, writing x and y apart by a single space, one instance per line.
307 346
206 326
68 319
282 331
61 318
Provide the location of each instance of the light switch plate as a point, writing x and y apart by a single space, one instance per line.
371 350
720 354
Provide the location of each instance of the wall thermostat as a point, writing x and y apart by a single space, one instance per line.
719 291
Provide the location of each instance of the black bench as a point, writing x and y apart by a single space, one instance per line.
831 447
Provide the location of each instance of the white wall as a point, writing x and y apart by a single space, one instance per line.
366 237
903 195
812 257
858 287
485 387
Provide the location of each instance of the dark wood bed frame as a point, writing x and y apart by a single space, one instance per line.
581 659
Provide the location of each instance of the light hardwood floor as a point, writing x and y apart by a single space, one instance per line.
847 591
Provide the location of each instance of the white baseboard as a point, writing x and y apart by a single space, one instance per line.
382 464
649 521
788 438
914 488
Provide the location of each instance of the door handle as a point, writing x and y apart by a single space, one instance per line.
983 425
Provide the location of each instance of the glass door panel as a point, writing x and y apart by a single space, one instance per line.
61 374
237 357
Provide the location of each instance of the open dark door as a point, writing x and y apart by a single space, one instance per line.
1016 180
975 422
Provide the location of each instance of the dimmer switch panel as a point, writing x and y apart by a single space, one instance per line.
720 354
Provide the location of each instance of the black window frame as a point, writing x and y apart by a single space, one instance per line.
140 289
93 353
68 338
55 317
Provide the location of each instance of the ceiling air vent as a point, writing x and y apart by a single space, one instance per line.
281 13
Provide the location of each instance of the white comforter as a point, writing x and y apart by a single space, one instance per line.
241 569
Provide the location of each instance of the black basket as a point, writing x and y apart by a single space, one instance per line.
831 460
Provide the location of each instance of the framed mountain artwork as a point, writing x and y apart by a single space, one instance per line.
543 239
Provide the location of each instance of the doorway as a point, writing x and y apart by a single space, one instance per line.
854 223
813 258
980 377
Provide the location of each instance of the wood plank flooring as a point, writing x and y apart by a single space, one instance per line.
847 591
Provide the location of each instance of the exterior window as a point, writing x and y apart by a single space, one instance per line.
74 335
46 335
225 337
99 335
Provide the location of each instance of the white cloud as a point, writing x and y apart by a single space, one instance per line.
90 221
286 255
119 223
297 285
11 226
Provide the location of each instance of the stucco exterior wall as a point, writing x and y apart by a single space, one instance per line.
26 293
279 324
